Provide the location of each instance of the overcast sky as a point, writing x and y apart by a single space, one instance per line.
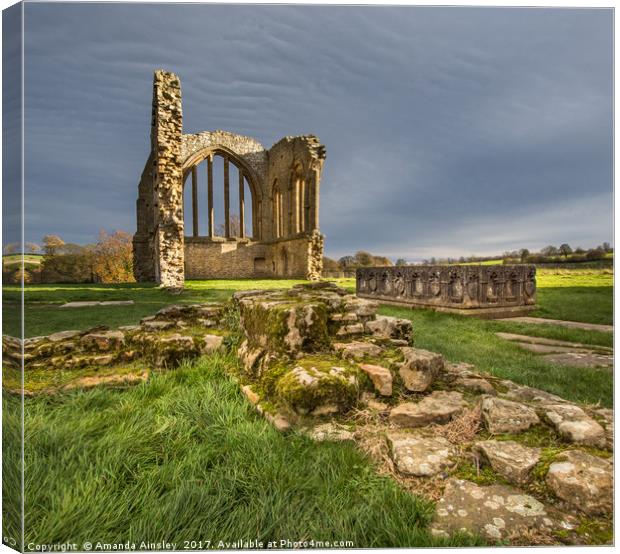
449 131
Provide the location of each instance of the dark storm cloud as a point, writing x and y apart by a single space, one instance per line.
449 131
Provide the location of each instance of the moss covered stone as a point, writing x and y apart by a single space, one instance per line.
317 386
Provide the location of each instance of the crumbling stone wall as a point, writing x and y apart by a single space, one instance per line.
166 133
284 183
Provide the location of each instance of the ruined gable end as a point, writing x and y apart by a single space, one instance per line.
269 223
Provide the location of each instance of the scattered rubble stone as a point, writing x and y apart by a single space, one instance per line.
171 349
475 385
212 343
250 394
104 341
391 328
357 350
158 325
461 369
63 335
420 456
95 380
330 432
438 407
355 329
574 425
377 406
582 480
511 460
530 395
320 392
505 416
381 378
102 360
249 356
278 420
607 417
420 368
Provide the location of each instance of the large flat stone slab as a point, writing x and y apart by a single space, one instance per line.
561 323
91 303
563 352
494 512
548 342
581 359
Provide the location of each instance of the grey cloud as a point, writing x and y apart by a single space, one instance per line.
443 126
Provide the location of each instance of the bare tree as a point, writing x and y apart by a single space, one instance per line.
235 227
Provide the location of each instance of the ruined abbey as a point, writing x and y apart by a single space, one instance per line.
272 230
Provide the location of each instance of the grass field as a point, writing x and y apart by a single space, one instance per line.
185 457
12 262
576 295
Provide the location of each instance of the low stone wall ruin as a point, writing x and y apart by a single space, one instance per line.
163 340
484 291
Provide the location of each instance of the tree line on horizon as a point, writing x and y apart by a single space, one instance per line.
109 260
549 254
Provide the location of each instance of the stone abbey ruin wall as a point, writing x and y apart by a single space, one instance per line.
284 184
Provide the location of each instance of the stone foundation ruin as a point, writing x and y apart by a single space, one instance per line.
484 291
278 189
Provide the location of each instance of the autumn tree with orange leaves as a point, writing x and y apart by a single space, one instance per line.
113 258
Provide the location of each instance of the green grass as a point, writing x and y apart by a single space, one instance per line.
484 262
185 457
43 315
12 262
17 258
576 295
